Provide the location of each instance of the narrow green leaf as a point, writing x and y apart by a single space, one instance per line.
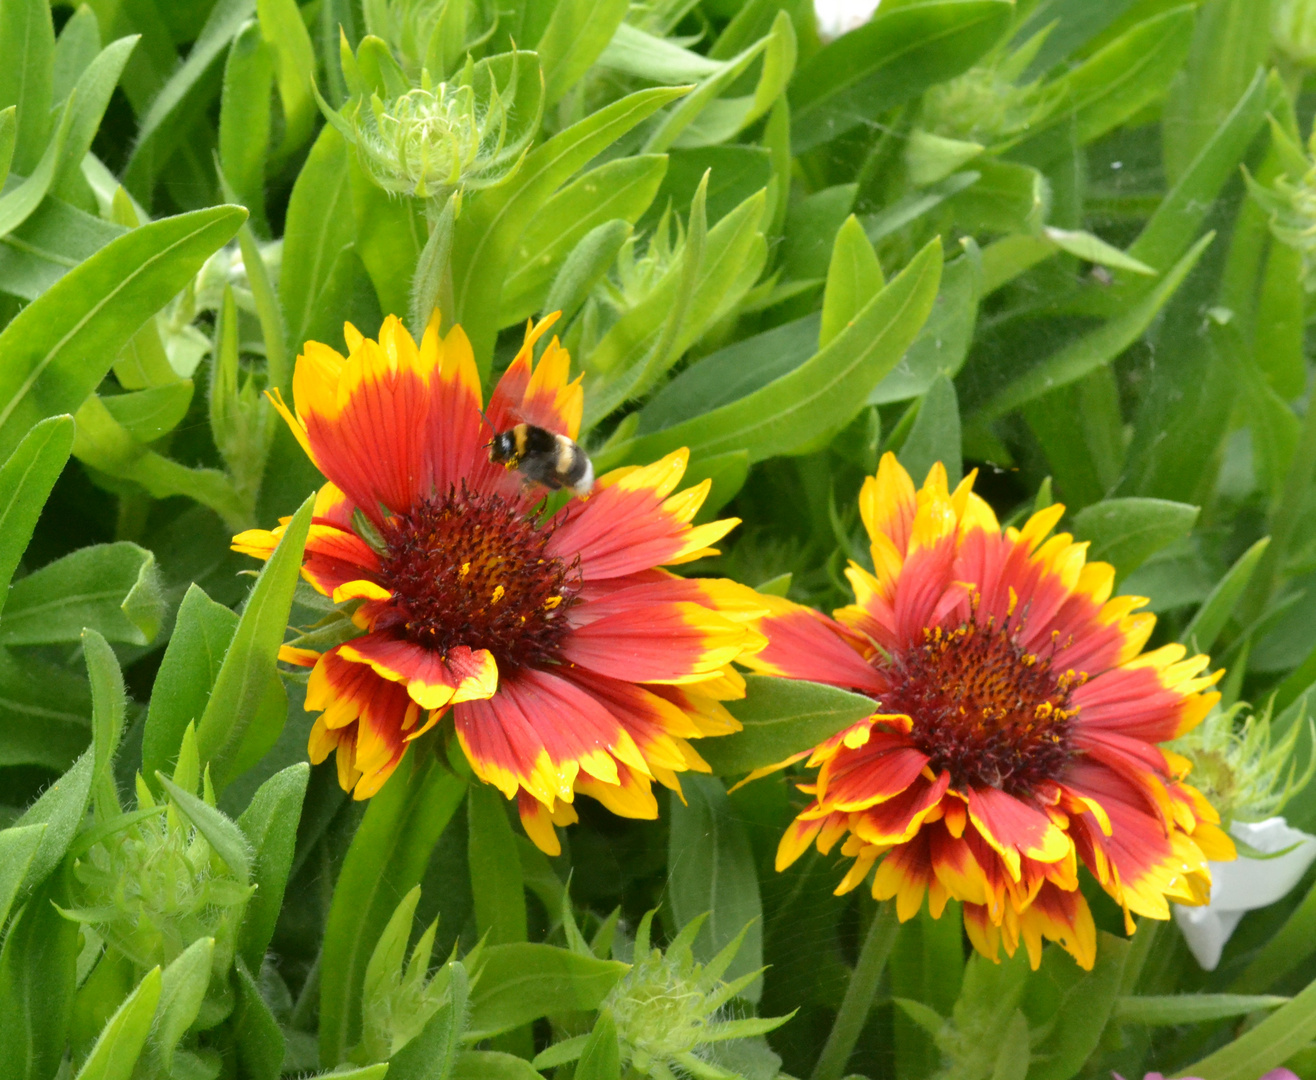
577 33
38 978
270 826
1093 249
182 990
244 679
18 846
601 1057
120 1045
1201 633
1270 1043
111 588
521 982
935 435
256 1032
108 705
496 884
711 869
492 225
201 636
1127 532
854 277
223 835
27 62
76 48
284 30
319 226
87 104
61 809
822 393
1093 350
891 60
8 133
585 267
781 717
386 858
492 1065
1072 1007
433 1053
59 347
152 413
1167 1010
244 121
25 482
1013 1057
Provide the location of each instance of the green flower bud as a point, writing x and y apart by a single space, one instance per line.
1291 202
669 1009
431 140
1245 775
153 884
399 997
982 106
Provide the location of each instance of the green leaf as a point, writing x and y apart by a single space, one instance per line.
50 243
492 225
244 120
87 104
1201 633
1230 42
27 60
44 711
61 809
152 413
18 845
38 978
889 61
25 483
617 190
521 982
23 197
270 826
8 133
1270 1043
165 123
120 1045
1072 1006
821 394
496 884
492 1065
1095 349
76 47
812 225
601 1057
60 346
112 588
227 735
284 30
854 277
432 1055
319 226
221 834
943 343
108 705
1180 214
1167 1010
1014 1055
577 33
256 1032
781 717
1004 197
585 267
935 435
387 857
1111 85
191 663
182 989
711 871
1126 532
1095 250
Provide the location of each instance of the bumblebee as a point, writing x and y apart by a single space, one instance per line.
543 457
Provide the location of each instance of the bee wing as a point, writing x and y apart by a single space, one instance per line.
541 417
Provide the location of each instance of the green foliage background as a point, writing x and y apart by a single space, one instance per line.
1066 242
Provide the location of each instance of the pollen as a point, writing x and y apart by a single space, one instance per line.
983 708
472 569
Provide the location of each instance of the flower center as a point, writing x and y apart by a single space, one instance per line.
471 569
983 708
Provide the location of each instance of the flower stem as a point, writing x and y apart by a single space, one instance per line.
859 995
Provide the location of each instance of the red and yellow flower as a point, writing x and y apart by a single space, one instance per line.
569 661
1015 728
